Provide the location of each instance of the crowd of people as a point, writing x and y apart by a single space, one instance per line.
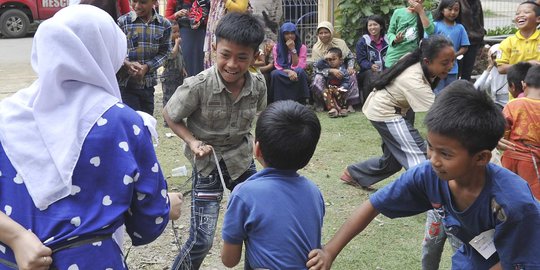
76 190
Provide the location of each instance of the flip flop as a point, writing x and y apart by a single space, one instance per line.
347 178
333 113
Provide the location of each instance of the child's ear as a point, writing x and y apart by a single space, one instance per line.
483 157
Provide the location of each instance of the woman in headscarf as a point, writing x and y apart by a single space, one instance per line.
75 163
325 33
289 80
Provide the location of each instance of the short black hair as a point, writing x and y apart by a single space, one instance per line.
287 133
337 51
533 77
467 115
516 74
536 7
240 28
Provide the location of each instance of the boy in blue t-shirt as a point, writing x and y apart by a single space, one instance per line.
490 209
277 213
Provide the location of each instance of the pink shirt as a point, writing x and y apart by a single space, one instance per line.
302 58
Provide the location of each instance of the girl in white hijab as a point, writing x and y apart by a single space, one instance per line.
72 157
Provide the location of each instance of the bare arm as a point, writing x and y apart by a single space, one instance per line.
230 254
357 222
198 148
29 252
462 51
503 68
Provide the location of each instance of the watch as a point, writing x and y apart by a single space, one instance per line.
294 51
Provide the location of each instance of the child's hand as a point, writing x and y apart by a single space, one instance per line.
177 41
318 260
200 149
30 253
175 201
415 6
505 144
132 67
292 75
143 69
336 73
375 68
399 38
181 13
290 44
351 71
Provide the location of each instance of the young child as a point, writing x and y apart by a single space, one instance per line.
219 105
407 28
491 81
524 46
448 23
286 136
173 70
516 76
149 42
487 207
265 63
522 130
335 93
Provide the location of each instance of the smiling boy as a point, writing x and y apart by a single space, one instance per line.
474 198
218 105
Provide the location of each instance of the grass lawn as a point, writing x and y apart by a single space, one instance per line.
386 243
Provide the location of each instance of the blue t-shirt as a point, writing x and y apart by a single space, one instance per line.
117 180
457 34
516 218
279 214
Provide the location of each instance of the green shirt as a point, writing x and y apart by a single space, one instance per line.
404 21
217 120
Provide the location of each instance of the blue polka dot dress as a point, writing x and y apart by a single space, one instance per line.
116 181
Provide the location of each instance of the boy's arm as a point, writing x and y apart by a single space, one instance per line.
230 254
198 148
28 249
357 222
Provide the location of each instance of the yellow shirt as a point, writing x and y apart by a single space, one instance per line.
516 48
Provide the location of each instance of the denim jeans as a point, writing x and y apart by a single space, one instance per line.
433 244
206 196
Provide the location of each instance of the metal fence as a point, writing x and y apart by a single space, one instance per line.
499 13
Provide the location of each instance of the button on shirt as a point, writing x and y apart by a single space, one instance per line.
214 118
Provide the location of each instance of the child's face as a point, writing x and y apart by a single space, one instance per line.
442 63
450 13
449 158
143 8
373 28
268 46
175 32
289 36
333 60
233 61
526 18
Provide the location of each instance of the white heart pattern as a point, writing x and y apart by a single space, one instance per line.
101 121
0 173
3 249
76 221
106 200
136 130
75 189
140 196
97 244
155 168
137 235
7 210
164 193
127 180
18 179
95 161
124 146
159 220
73 267
119 105
136 177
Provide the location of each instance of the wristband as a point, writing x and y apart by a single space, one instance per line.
294 51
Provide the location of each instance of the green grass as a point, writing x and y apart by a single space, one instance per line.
385 244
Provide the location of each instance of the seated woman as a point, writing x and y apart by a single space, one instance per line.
325 32
370 53
289 80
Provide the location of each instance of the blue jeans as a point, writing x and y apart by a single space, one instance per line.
206 196
434 238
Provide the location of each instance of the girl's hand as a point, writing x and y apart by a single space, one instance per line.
181 13
292 75
336 73
290 44
30 253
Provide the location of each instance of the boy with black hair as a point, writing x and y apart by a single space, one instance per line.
516 75
219 105
286 136
489 208
522 132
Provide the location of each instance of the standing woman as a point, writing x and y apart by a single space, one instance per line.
191 31
218 9
289 80
325 41
406 85
371 52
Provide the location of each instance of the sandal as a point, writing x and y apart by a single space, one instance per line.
333 113
343 113
347 178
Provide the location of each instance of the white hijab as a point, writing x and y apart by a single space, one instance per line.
76 55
